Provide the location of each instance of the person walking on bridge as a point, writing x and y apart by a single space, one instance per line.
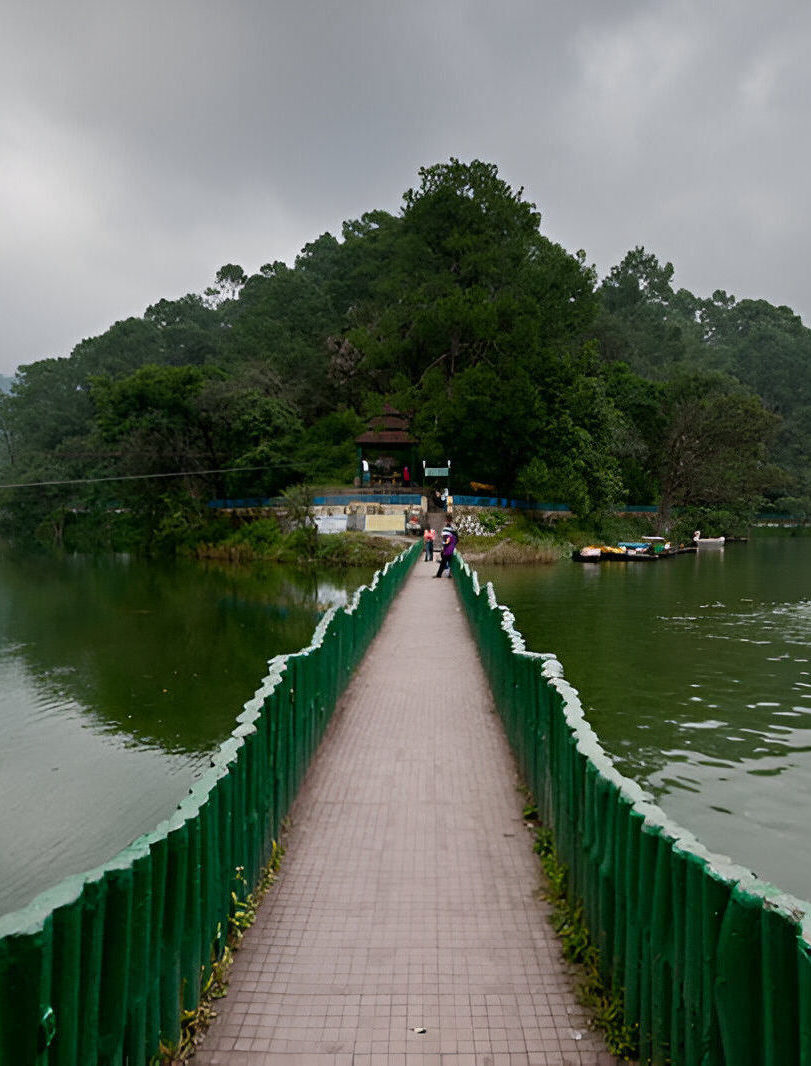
449 542
428 538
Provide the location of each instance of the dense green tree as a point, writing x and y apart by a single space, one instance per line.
715 450
460 312
119 350
644 322
576 457
766 347
490 423
639 435
470 320
282 321
253 429
664 334
471 280
228 281
326 451
49 412
49 403
154 420
169 420
190 331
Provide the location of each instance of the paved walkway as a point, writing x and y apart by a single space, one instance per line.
407 899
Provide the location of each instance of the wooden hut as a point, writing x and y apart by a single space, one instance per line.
387 448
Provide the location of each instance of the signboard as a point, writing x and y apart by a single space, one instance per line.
436 471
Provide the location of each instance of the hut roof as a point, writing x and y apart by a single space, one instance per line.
390 427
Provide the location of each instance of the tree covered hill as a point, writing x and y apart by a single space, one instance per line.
508 352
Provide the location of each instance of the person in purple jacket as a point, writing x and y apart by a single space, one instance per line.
449 541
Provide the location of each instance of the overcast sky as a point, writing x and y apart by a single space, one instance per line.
145 143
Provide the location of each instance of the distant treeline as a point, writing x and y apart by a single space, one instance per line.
507 351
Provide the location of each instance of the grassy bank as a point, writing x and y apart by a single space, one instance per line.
288 535
263 541
204 534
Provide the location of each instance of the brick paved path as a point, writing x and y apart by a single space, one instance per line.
408 893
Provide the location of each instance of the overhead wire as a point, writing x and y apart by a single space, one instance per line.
129 477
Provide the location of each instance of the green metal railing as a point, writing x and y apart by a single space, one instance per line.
714 966
100 968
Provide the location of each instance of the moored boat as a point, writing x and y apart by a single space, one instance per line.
708 542
590 554
647 550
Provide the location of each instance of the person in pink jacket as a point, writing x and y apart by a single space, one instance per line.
428 542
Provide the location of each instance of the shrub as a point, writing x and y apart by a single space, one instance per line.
261 534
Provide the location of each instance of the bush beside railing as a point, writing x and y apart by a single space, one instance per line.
712 965
101 967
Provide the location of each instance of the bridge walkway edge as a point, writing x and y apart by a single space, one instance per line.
407 898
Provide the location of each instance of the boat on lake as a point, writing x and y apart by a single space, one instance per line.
590 554
646 550
708 542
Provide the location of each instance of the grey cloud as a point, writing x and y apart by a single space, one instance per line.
142 145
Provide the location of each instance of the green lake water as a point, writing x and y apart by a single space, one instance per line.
695 672
118 679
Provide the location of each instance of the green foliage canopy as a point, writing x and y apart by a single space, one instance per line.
497 342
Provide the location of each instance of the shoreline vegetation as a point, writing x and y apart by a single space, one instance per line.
497 348
330 549
493 538
288 535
